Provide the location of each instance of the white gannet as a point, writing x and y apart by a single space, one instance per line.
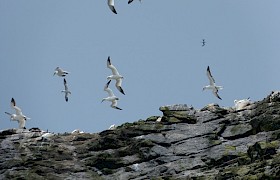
240 104
60 72
130 1
112 98
212 85
66 91
112 127
111 6
77 131
19 117
115 75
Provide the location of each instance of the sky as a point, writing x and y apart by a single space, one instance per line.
156 45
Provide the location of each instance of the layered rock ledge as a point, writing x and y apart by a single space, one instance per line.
185 143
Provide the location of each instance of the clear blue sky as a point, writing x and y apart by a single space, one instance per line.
156 46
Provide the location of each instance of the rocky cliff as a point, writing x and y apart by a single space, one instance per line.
184 143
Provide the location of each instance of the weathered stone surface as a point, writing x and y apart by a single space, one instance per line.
236 131
186 143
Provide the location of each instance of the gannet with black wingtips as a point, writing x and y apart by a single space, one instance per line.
111 5
60 72
112 98
18 116
66 90
212 85
115 75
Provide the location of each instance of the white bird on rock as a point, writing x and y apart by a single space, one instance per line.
112 127
241 104
115 75
18 116
66 91
60 72
112 98
111 5
212 85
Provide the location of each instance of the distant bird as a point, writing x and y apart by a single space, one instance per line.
212 85
130 1
47 136
116 76
60 72
112 127
19 117
77 131
66 91
112 98
111 6
240 104
203 42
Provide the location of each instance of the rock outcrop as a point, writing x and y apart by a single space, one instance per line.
185 143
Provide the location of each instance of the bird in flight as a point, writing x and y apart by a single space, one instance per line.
112 6
203 42
112 98
18 116
66 90
60 72
115 75
212 85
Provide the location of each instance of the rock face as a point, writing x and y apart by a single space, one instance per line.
185 143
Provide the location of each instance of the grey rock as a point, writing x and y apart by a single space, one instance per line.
209 143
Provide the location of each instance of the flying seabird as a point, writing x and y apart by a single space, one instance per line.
112 98
18 116
111 6
60 72
212 85
203 42
66 91
116 76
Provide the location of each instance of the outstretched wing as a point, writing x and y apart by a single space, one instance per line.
114 105
108 90
210 77
111 6
119 85
215 92
65 85
13 105
112 67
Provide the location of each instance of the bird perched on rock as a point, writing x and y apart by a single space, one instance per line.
241 104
